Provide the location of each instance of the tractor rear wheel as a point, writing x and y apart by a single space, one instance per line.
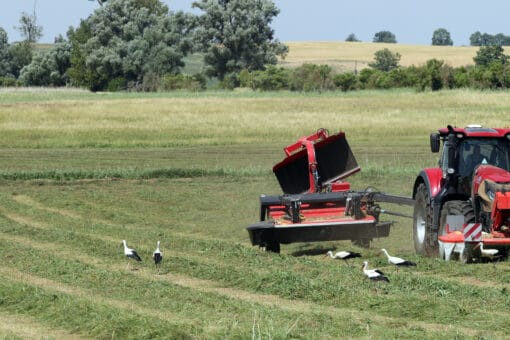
425 239
469 217
459 208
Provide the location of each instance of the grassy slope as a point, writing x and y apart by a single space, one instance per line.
63 271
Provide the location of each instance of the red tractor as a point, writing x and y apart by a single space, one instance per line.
462 207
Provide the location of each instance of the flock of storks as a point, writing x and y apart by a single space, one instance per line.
373 274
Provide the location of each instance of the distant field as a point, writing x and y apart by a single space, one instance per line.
80 172
347 56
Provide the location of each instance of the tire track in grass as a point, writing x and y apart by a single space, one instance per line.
29 201
27 328
206 286
47 284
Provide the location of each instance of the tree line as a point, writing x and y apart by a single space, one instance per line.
140 45
491 71
442 37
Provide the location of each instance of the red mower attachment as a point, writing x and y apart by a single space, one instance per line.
316 204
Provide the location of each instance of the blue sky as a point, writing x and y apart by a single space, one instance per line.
412 22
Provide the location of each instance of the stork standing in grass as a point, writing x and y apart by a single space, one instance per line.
130 253
343 255
157 256
397 261
488 253
374 274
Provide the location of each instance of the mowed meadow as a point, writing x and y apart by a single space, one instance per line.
80 172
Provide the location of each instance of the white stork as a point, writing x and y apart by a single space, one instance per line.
374 274
343 255
397 261
489 253
157 255
130 253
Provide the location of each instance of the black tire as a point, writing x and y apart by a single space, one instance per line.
467 254
273 247
425 238
450 208
464 209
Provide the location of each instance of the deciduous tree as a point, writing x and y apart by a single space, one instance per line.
125 40
48 68
352 38
441 37
385 60
489 54
385 37
236 35
28 27
4 54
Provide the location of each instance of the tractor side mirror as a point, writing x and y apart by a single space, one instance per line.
434 142
452 142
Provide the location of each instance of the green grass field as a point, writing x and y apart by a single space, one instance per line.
80 172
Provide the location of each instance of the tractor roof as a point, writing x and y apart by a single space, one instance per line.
478 131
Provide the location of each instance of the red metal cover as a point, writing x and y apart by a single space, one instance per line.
334 158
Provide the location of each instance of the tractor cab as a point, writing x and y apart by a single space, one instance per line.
465 149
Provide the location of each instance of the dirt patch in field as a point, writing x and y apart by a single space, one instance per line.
27 328
26 200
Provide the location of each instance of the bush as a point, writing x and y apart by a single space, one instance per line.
385 60
271 79
346 81
8 82
364 77
172 82
116 84
436 75
311 77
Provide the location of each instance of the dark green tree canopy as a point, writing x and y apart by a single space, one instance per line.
441 37
4 53
485 39
48 68
127 40
385 37
352 37
236 35
385 60
490 54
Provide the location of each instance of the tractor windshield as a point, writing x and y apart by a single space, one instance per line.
475 151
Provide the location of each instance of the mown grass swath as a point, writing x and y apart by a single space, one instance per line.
70 197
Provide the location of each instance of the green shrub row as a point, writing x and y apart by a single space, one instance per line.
9 82
433 75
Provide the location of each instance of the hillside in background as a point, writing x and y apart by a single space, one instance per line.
347 56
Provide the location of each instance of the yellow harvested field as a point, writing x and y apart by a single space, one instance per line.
347 56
